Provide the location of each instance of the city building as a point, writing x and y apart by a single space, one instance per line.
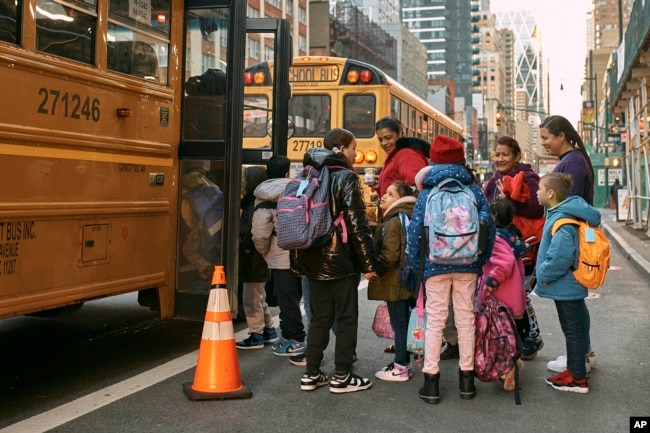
260 47
444 27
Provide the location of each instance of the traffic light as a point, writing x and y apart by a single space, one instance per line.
619 119
498 119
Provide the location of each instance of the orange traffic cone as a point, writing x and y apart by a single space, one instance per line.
217 370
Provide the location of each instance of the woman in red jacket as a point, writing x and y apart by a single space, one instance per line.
406 155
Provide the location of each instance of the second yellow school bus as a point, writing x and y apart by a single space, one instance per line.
333 92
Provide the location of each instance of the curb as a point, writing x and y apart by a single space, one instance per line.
636 260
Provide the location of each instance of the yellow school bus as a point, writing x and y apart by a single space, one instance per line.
120 166
332 92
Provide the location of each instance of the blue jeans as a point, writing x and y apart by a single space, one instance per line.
574 320
399 319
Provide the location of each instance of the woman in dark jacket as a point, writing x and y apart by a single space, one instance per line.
333 269
518 183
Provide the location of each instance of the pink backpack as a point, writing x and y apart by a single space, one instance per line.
498 345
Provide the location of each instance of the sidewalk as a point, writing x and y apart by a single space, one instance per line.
634 245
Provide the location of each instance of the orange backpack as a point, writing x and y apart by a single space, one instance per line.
593 253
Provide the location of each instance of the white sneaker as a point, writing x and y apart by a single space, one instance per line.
591 361
559 364
395 373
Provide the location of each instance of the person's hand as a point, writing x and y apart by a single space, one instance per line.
489 289
499 185
370 275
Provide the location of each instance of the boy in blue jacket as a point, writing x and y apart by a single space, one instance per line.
555 261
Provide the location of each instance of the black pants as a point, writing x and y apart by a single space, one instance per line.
288 292
329 299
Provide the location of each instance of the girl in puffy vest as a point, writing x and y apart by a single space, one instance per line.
390 246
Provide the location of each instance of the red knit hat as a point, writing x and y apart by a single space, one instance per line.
446 150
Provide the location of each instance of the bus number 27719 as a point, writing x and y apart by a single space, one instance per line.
305 145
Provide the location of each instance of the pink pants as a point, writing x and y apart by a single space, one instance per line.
462 288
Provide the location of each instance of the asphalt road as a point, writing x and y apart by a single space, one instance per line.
113 367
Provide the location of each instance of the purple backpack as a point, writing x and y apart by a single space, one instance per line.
304 213
498 345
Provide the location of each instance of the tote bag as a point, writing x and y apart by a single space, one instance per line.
381 323
417 323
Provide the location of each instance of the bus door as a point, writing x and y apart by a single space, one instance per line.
267 40
210 151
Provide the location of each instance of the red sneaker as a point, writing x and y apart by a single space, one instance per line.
558 376
569 383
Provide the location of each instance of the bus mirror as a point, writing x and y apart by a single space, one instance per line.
291 127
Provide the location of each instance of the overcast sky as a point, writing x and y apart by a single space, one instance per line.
563 24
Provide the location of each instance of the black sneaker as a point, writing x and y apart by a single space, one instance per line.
531 347
450 352
311 381
299 360
350 383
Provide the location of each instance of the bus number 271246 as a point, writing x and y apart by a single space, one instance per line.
305 145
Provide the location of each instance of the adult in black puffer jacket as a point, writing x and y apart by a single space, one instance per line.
333 270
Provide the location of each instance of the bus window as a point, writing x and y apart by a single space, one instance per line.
132 57
204 113
311 114
404 117
9 22
66 32
394 108
359 115
138 39
256 115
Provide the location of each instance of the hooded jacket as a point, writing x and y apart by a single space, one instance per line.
252 267
265 224
431 178
504 272
403 162
558 253
336 259
390 247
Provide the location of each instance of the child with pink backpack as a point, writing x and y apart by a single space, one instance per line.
503 279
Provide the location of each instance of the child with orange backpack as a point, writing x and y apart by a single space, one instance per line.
556 260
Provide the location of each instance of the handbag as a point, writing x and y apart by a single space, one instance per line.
381 323
418 318
417 325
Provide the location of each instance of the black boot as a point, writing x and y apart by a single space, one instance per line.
430 391
466 384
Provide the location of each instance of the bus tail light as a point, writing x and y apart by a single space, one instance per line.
248 78
259 77
358 157
371 157
365 76
353 77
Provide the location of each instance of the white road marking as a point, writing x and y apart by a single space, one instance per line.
77 408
